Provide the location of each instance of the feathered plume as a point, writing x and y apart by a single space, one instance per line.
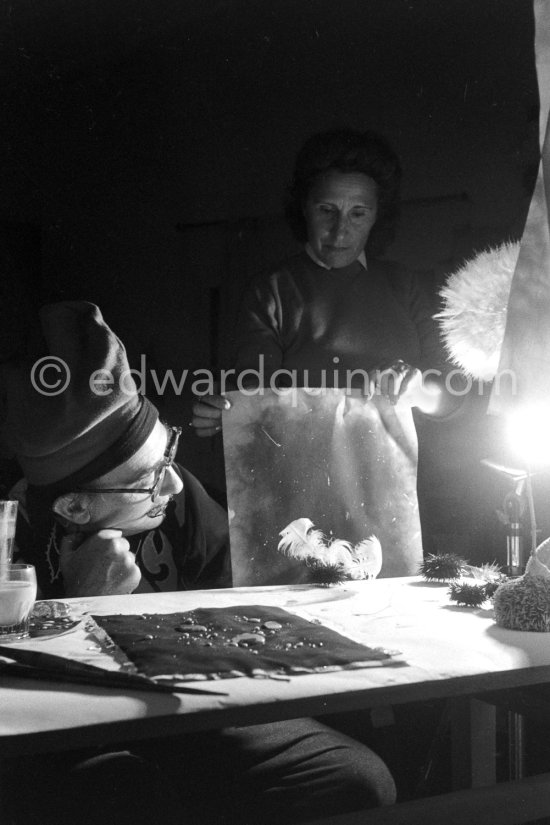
475 302
366 559
299 540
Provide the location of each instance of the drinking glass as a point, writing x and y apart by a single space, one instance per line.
17 597
8 518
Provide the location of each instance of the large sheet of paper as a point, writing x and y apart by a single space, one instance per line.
345 463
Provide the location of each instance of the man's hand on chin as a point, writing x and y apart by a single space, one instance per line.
99 565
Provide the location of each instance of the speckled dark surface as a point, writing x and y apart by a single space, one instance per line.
167 644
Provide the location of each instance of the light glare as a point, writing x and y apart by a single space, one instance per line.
529 435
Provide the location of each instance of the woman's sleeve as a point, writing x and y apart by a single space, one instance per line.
422 307
434 361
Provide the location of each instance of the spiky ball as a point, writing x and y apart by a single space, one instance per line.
490 572
523 604
326 574
475 302
442 567
492 587
469 595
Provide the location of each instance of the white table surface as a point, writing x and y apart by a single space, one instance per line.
445 651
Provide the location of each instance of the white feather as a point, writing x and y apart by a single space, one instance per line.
300 541
338 552
366 559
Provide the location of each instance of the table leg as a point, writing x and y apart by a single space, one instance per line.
473 743
516 745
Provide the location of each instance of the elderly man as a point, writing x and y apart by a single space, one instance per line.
107 510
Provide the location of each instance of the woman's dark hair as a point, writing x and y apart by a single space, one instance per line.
347 150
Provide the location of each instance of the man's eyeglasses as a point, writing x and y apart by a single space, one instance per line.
154 491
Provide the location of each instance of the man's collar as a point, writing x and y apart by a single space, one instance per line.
362 258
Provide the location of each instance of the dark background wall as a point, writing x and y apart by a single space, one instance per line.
145 148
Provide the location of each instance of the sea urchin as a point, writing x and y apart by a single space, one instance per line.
442 567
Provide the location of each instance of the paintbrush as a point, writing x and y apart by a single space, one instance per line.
40 665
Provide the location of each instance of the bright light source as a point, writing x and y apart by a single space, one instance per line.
529 435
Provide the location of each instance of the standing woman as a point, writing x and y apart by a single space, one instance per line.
333 314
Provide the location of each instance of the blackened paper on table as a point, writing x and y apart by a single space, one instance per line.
249 640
